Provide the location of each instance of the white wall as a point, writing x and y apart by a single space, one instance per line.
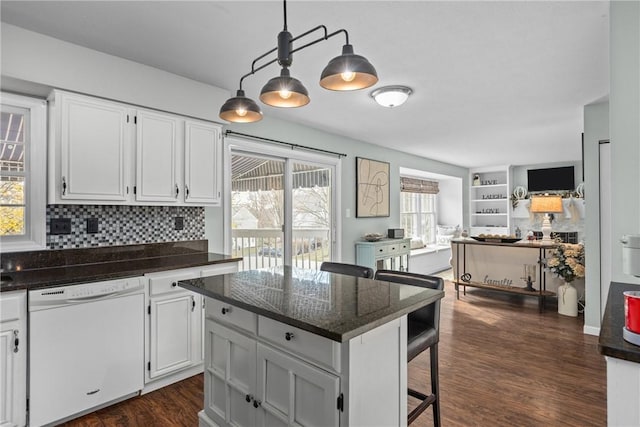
449 202
34 63
624 114
596 129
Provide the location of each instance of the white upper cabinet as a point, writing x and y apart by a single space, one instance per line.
109 153
89 152
156 157
202 151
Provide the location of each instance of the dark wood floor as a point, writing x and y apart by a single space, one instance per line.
502 363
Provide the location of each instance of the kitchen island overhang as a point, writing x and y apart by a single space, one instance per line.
333 347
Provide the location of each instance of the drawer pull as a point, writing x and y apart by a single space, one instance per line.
226 310
257 403
248 398
288 336
89 393
174 284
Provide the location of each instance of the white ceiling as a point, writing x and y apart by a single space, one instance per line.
494 82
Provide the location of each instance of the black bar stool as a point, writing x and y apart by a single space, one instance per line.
348 269
423 332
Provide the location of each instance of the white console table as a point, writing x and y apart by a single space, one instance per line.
388 254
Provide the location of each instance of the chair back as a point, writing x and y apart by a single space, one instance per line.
428 315
348 269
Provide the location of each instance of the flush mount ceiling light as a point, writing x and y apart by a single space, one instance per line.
391 96
343 73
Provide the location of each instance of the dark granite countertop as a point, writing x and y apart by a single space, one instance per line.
39 269
611 342
335 306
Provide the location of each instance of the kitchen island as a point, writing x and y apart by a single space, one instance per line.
286 346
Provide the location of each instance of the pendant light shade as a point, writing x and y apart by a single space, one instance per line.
240 109
343 73
348 72
284 91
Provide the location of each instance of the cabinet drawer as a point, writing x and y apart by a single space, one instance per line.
162 283
382 249
312 347
12 305
230 314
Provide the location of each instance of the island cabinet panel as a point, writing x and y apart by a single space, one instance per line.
292 392
262 372
230 376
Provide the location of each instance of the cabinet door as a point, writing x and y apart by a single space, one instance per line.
13 374
171 334
203 163
156 145
230 374
93 147
291 392
13 359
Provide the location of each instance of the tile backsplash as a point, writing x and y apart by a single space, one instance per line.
124 225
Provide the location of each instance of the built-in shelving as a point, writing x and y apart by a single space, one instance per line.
489 200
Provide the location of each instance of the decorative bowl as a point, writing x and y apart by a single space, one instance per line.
373 237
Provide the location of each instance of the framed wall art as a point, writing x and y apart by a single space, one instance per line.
372 188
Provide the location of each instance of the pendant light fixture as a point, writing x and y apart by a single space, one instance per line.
343 73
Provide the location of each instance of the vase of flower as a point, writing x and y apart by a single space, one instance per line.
567 300
567 262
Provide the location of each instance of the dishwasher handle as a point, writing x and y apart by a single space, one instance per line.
98 297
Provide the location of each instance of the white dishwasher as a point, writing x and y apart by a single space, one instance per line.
86 347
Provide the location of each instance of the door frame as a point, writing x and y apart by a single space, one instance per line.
231 144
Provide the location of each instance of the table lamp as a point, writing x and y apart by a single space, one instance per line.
548 205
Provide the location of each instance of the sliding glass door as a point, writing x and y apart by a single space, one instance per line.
282 206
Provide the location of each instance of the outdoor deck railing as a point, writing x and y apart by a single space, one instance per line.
263 247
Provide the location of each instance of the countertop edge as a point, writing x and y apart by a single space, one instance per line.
610 341
344 337
126 272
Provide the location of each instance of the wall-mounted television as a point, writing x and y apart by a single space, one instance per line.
551 179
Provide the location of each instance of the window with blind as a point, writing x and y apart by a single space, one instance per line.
418 208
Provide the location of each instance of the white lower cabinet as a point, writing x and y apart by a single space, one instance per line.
292 392
174 325
263 372
230 375
249 383
13 358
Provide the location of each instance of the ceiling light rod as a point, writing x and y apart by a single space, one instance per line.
343 73
290 52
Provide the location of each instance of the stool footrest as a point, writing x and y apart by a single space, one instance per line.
427 400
